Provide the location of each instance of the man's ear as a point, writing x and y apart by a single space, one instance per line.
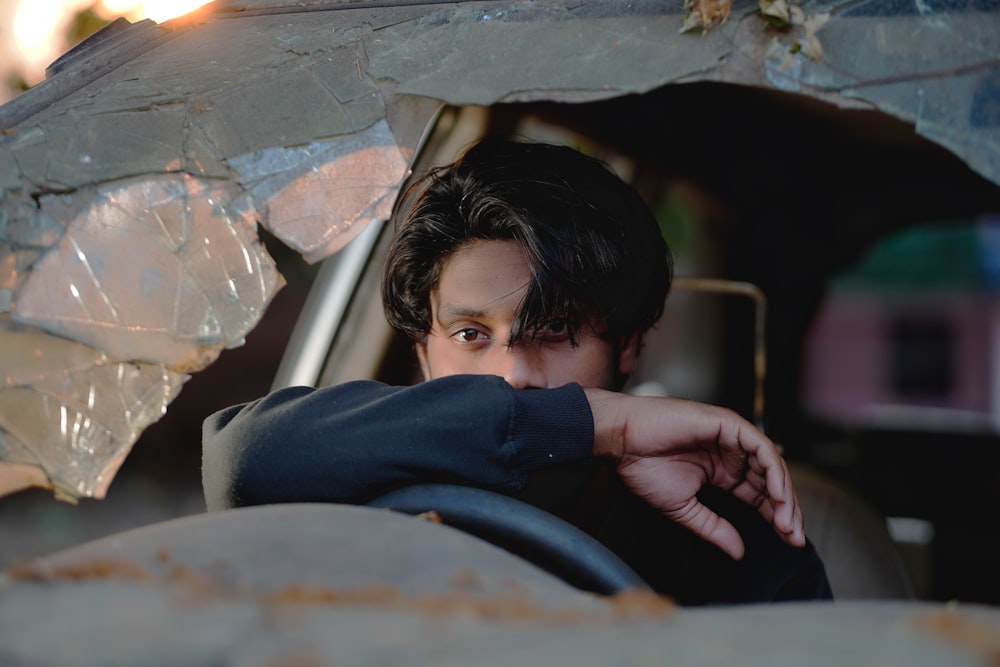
628 354
421 350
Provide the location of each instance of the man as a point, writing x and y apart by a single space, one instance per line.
526 276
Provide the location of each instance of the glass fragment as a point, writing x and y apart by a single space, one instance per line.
71 411
166 270
320 196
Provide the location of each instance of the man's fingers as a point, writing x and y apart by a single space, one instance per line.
772 493
667 449
711 527
787 512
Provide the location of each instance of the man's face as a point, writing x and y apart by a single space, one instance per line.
472 310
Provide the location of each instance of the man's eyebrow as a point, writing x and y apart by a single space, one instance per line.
452 311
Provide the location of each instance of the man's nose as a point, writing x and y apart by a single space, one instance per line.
522 366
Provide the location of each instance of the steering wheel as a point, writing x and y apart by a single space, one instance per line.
522 529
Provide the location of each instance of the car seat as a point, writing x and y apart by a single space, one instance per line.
861 558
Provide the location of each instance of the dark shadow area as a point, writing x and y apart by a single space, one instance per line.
805 187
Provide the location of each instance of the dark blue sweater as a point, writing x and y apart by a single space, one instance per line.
356 441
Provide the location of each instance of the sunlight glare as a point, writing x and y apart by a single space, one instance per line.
39 24
34 26
157 10
164 10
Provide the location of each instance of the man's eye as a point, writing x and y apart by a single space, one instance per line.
555 330
556 327
469 335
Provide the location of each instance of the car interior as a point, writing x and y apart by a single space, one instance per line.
769 203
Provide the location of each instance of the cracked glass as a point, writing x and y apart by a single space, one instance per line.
134 180
59 391
935 64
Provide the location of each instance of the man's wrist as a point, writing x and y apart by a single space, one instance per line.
608 429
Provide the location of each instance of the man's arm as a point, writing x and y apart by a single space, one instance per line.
355 441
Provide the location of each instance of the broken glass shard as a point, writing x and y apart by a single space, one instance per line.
25 234
71 411
933 64
318 197
166 270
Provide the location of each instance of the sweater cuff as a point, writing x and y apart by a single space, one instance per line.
552 426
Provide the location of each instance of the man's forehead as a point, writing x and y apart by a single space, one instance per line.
464 303
488 257
482 278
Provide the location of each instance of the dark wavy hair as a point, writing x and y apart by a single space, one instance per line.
593 247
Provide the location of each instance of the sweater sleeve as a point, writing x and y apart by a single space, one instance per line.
355 441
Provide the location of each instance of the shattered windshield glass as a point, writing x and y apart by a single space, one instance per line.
133 180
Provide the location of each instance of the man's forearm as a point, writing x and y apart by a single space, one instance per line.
355 441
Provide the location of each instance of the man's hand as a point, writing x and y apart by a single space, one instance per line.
667 449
